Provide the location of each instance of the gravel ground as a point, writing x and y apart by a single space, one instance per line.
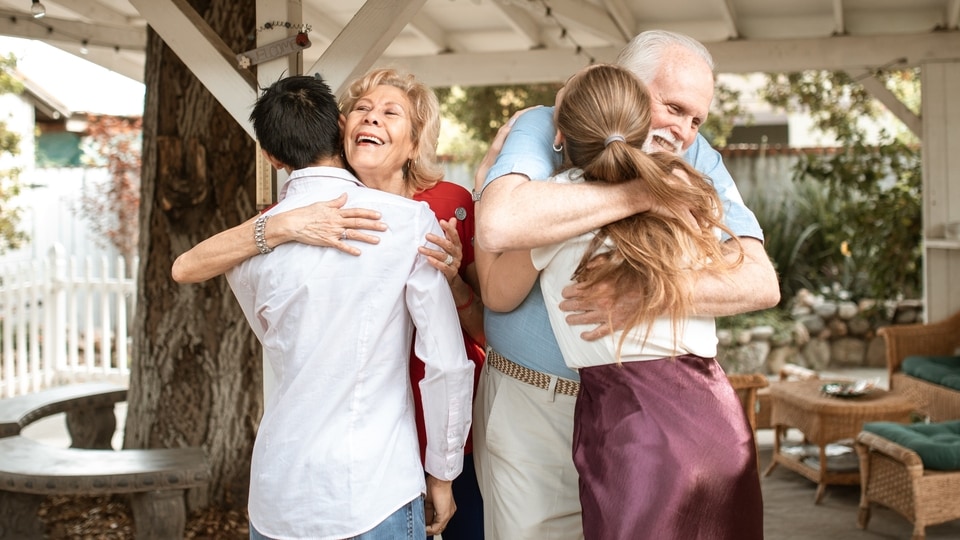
110 518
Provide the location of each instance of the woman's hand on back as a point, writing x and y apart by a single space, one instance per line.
328 224
448 258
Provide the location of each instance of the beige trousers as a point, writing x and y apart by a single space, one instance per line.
522 440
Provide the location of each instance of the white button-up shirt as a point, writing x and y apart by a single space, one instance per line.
337 451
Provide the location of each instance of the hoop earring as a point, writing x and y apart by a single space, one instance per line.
558 148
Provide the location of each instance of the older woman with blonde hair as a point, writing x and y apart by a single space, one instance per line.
391 124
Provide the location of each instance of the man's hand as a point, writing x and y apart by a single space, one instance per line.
600 307
438 504
751 286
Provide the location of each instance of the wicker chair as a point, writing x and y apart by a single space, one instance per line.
747 385
893 476
941 338
789 372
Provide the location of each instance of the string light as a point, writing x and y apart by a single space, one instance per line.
61 35
37 9
565 34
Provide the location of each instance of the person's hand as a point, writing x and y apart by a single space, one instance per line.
328 224
600 307
495 146
448 258
438 505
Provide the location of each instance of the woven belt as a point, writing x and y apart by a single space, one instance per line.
529 376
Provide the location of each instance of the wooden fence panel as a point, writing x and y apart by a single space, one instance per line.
60 324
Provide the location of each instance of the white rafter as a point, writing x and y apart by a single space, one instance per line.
322 28
953 14
839 27
53 29
363 40
521 22
729 15
855 53
96 12
622 17
881 93
584 16
202 50
425 27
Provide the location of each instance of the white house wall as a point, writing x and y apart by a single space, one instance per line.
18 116
941 185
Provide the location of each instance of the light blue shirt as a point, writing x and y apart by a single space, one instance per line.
524 335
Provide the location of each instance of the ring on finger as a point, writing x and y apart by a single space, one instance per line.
343 235
449 260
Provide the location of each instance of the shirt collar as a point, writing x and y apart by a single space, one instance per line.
307 174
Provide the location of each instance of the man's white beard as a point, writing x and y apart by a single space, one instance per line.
664 142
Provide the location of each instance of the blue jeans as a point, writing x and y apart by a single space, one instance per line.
407 523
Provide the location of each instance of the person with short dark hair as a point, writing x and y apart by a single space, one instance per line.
336 454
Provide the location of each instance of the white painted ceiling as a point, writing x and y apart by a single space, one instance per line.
518 41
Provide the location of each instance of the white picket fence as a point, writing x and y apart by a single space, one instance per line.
62 320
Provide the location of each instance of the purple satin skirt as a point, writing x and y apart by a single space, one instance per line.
664 451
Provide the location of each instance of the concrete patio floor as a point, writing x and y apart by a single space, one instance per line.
789 510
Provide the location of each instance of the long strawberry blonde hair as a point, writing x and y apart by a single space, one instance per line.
604 116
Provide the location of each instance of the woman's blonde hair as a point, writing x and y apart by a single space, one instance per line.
423 172
604 116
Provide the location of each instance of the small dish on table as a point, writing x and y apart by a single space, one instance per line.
851 389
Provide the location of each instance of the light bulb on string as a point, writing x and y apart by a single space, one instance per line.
37 9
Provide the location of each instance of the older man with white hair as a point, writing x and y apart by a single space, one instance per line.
523 417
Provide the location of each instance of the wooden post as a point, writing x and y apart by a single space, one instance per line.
266 181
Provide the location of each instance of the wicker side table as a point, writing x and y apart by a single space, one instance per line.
823 420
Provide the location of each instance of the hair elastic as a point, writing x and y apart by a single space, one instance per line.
612 138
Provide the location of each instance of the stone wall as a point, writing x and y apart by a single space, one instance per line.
826 333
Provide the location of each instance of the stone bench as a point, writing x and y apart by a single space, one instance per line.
88 407
157 479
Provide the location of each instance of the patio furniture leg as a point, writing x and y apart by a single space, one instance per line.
822 484
776 451
863 516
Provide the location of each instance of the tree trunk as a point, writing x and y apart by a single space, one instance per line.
196 376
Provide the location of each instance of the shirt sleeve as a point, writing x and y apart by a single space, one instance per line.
736 215
238 278
447 386
528 149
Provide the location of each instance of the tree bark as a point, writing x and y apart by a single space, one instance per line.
196 376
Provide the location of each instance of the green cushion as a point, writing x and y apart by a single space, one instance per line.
937 444
942 370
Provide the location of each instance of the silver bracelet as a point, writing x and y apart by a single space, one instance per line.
259 229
